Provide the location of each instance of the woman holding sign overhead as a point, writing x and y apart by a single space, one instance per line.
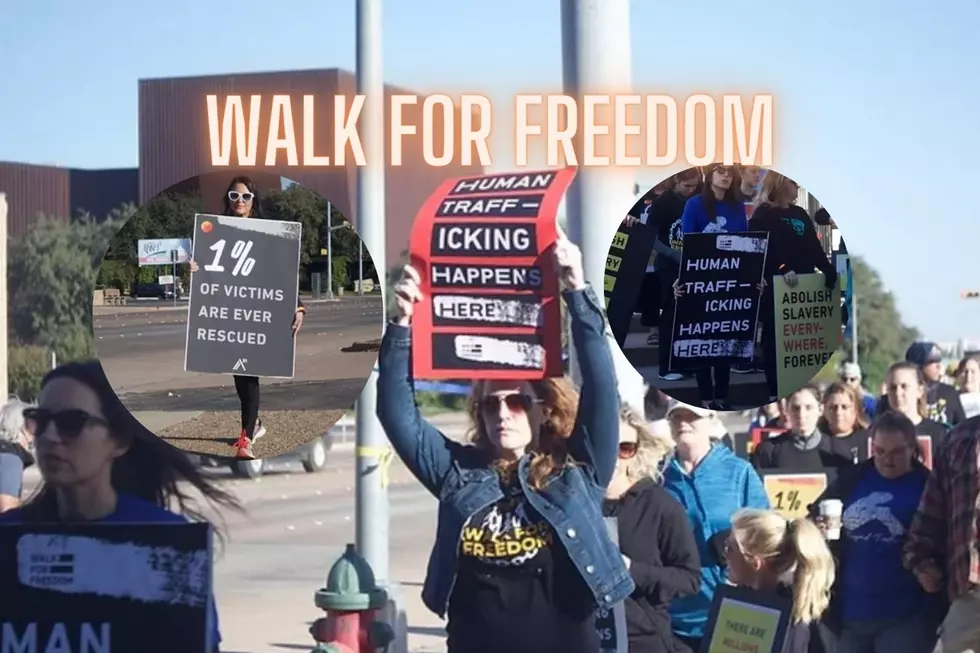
242 201
521 560
100 465
716 209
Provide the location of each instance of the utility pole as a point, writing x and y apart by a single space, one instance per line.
329 251
4 386
596 59
372 454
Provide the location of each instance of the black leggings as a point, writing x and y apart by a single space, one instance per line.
767 315
717 390
248 393
650 300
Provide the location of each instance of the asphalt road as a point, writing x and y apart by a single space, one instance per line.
135 334
142 351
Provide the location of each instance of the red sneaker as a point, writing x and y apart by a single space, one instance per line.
243 447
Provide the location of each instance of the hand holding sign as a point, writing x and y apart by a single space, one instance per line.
568 262
407 293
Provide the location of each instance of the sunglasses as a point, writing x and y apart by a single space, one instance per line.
234 196
70 423
516 403
627 450
851 379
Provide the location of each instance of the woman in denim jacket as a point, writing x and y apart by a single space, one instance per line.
522 557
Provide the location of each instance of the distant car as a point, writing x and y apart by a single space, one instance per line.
312 456
154 290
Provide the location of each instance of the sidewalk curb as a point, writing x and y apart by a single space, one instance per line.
136 309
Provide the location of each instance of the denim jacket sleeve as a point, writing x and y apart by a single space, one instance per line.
426 452
595 438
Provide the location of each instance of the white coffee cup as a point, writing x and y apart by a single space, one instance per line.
830 513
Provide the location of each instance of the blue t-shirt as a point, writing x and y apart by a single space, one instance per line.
875 586
720 485
729 217
134 510
11 475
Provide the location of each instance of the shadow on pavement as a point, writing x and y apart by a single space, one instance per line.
334 394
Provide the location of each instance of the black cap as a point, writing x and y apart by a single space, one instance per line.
923 353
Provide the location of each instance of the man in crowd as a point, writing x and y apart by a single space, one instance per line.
850 373
942 547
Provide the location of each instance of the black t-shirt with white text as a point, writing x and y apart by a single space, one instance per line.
516 589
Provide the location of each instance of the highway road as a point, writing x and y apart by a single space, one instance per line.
142 351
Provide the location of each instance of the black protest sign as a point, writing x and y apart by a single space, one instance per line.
490 296
243 297
107 587
715 319
626 265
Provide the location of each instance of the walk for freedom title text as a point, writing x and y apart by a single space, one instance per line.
624 130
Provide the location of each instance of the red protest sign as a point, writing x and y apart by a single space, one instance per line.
490 308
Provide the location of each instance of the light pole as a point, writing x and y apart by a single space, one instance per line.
373 453
330 229
596 59
4 386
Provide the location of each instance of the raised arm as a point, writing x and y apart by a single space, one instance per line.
595 438
426 452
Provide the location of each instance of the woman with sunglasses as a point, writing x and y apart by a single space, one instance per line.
877 605
242 201
718 208
521 560
99 464
711 483
655 537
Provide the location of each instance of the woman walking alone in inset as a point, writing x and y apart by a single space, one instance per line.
522 559
242 201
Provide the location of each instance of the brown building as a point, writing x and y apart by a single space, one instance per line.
174 141
62 192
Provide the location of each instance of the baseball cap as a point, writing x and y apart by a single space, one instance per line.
674 405
923 353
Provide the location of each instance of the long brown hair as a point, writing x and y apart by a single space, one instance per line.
773 186
841 388
708 199
559 399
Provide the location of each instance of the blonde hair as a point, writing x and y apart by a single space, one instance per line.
559 401
773 186
651 447
794 548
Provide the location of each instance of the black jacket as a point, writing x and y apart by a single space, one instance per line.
841 489
655 535
793 242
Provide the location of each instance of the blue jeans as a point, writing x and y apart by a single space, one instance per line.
909 635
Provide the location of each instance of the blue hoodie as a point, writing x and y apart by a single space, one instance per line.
729 217
719 486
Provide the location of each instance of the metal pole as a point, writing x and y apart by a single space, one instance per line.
4 387
596 59
854 325
329 252
372 447
360 267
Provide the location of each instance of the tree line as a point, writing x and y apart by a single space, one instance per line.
54 269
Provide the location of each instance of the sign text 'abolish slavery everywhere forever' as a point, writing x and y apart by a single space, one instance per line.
490 298
243 297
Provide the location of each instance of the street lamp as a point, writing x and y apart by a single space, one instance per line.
330 229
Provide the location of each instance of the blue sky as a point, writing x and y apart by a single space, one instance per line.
875 101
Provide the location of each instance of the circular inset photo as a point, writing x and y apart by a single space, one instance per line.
237 316
727 286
